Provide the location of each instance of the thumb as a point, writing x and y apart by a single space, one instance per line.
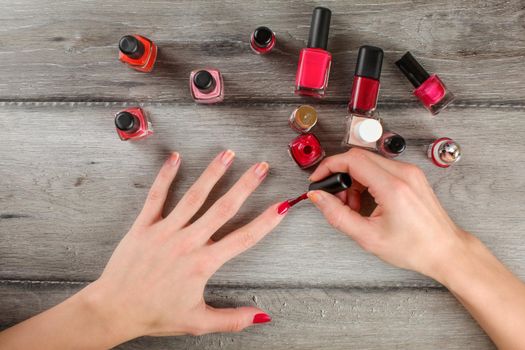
233 319
340 216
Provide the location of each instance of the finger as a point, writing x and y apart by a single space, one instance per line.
232 320
339 215
354 199
363 170
152 210
194 198
228 205
247 236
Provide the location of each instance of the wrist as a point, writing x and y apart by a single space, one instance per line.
107 314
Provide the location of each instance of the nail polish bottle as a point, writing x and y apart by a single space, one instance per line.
303 119
137 52
306 150
444 152
428 88
365 88
262 40
313 68
362 132
133 124
333 184
206 86
391 145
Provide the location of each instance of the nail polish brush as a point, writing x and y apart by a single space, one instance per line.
333 184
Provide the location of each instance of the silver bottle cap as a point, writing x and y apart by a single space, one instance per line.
449 152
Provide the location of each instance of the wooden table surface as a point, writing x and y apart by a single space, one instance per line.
70 189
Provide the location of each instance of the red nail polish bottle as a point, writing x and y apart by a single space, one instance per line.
133 124
313 68
365 88
206 86
391 145
444 152
138 52
428 88
262 40
306 150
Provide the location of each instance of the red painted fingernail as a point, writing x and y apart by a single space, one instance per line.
261 318
283 208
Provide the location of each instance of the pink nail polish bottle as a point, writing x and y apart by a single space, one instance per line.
133 124
429 89
206 86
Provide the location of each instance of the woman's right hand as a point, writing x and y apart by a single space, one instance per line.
408 228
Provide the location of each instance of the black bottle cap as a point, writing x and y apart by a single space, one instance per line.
334 183
369 62
319 28
395 144
203 80
262 36
125 121
130 46
412 69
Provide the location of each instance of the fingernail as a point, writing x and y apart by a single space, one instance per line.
261 318
261 170
227 157
315 196
283 208
174 159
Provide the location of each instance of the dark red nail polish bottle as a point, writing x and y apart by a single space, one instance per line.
262 40
306 150
365 88
207 86
428 88
313 69
133 124
138 52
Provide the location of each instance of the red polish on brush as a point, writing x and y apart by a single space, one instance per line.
334 183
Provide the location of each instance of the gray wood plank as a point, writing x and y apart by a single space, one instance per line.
302 318
69 188
64 50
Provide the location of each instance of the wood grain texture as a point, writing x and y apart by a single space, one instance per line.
59 50
69 188
302 318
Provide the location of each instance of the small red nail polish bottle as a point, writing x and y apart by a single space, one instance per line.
306 150
133 124
444 152
138 52
391 145
314 64
365 88
429 89
262 40
206 86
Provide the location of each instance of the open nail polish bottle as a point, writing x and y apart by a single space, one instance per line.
429 89
444 152
314 64
365 88
206 86
303 118
391 145
137 52
133 124
362 132
262 40
306 150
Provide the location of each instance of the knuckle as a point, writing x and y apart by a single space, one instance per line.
414 172
335 219
235 326
197 332
155 195
247 239
226 208
399 187
193 198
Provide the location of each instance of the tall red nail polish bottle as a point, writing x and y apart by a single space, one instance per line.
206 86
306 150
429 89
444 152
133 124
365 88
138 52
262 40
313 68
